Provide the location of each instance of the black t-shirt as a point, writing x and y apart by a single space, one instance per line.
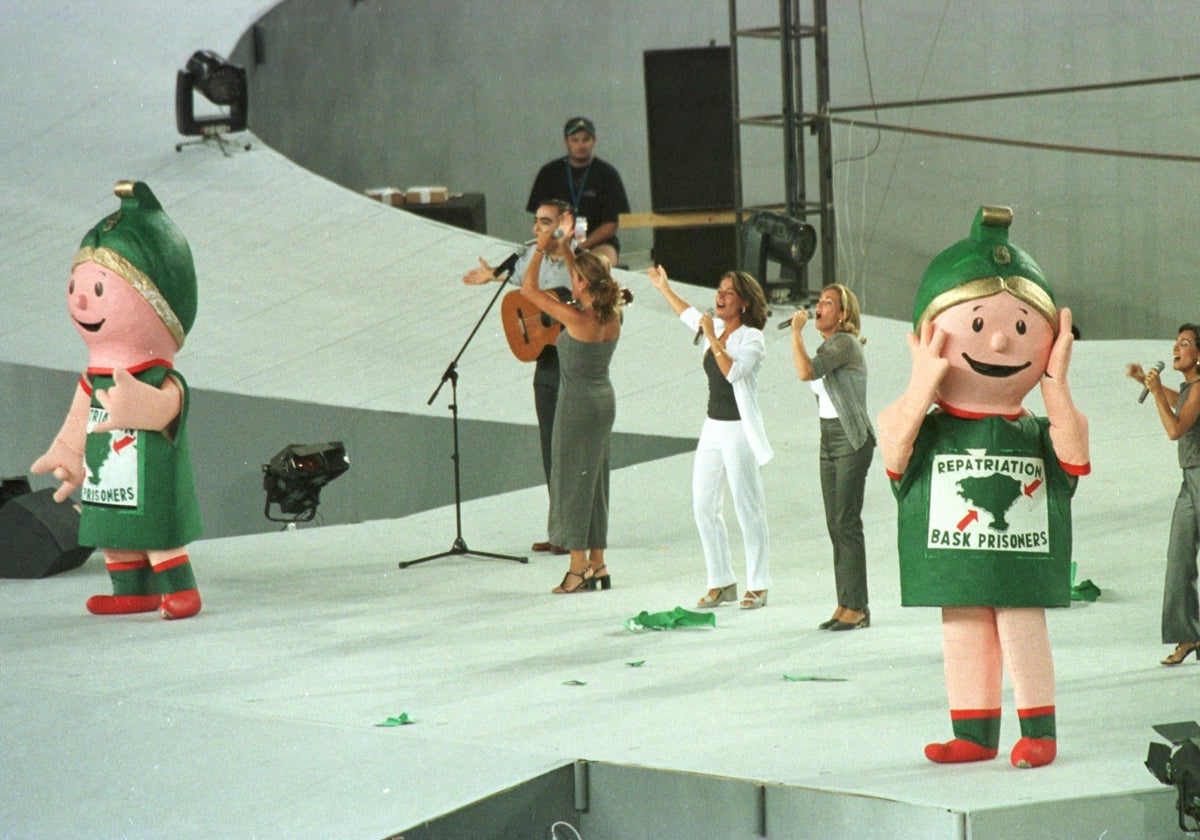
596 191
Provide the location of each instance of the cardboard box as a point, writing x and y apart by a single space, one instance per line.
388 195
426 195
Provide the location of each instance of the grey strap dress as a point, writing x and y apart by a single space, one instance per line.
581 444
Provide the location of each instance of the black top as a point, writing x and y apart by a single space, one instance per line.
721 402
596 191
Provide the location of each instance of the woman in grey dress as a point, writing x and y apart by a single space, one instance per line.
583 420
1178 411
837 374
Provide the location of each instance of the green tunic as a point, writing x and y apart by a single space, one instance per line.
984 515
138 493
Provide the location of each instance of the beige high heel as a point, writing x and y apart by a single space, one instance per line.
716 597
753 600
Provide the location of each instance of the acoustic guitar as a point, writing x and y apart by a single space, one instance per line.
528 329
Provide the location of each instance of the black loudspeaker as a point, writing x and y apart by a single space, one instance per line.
689 128
39 537
697 255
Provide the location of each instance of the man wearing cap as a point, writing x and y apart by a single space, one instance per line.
983 487
124 445
591 186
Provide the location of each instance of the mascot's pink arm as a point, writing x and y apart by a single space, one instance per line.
1068 427
131 405
900 421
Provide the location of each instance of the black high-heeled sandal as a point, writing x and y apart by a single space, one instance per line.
562 589
1181 652
832 620
590 576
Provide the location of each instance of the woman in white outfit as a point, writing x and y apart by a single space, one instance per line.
733 443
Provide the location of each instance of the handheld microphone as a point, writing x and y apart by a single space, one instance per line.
1158 366
700 331
558 233
783 325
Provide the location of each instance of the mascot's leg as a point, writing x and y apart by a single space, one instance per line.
1026 645
133 585
971 650
176 582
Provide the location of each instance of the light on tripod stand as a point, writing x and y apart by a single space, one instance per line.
777 238
221 83
294 478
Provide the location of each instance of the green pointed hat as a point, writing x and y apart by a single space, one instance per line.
980 266
140 243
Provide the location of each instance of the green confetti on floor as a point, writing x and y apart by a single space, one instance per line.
403 720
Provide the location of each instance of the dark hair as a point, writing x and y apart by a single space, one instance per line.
594 270
558 204
1193 329
748 290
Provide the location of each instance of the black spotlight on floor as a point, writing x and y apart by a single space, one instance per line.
221 83
780 239
1181 768
294 478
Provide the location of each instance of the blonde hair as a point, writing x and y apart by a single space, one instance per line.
596 273
851 316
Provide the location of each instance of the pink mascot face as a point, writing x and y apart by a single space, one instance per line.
997 348
120 328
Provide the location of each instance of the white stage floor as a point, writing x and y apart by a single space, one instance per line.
259 716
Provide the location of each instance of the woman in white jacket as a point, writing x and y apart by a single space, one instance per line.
733 443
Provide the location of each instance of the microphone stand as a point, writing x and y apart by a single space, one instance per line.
451 374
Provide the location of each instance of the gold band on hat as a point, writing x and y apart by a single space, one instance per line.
1022 288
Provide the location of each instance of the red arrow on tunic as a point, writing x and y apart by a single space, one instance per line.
118 445
1031 488
972 516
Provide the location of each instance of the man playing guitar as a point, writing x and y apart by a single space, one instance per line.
552 277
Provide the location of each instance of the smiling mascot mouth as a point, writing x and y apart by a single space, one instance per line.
90 327
998 371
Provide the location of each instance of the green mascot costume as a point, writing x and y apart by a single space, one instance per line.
984 488
132 297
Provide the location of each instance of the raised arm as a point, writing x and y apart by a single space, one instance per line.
900 422
800 357
1068 426
658 279
1176 425
543 300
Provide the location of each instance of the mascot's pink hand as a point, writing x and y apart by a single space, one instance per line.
1060 353
64 464
132 404
929 368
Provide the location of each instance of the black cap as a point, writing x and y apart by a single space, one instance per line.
579 124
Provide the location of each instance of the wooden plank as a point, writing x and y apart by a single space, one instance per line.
683 218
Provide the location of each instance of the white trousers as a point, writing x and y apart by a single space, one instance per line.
724 453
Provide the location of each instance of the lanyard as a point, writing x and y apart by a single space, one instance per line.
576 196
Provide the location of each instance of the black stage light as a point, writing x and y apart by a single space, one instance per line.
221 83
1180 769
295 476
780 239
